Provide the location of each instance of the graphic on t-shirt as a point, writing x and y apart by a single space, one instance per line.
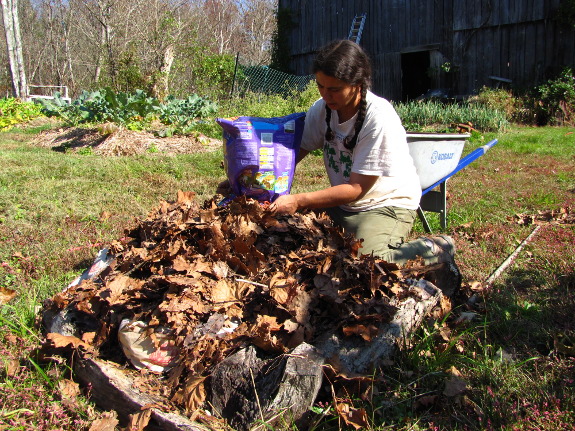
329 153
337 164
346 162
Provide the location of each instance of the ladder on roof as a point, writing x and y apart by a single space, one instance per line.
357 28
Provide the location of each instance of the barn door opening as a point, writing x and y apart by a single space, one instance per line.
419 72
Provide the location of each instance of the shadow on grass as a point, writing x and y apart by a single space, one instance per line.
530 309
77 138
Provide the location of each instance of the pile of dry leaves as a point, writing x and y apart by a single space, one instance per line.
218 278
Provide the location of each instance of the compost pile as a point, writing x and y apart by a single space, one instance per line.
218 278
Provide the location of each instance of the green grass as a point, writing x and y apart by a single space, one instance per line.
57 209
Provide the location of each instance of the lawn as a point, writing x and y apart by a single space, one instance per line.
509 363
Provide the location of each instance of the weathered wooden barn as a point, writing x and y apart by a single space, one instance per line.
420 45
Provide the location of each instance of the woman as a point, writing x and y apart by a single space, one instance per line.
375 190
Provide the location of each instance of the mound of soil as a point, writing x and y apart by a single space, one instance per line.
111 140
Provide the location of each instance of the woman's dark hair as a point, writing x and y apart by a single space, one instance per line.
347 61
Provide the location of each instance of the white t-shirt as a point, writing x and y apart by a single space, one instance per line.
381 150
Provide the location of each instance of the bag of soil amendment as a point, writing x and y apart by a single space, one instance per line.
260 154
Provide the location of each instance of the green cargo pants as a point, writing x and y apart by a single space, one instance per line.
384 231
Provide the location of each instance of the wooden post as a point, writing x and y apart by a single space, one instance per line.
235 73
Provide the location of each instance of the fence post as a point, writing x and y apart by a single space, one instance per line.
235 72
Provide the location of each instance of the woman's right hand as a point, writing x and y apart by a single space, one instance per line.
285 204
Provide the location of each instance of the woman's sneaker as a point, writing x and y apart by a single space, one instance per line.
443 247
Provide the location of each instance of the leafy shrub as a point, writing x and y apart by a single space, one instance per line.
260 105
182 114
202 73
129 74
556 100
14 111
499 99
130 110
270 105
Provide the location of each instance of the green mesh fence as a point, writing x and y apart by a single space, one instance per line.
263 79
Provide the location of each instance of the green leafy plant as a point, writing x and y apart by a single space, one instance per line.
432 116
556 99
134 111
211 75
14 111
182 114
501 100
104 106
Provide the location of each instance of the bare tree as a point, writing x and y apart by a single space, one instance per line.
222 23
14 47
259 25
168 22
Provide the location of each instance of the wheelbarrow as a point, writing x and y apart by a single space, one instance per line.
437 158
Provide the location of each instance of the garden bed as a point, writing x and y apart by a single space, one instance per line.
111 140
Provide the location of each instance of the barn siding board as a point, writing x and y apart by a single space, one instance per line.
570 54
494 13
506 59
549 46
490 13
394 28
458 17
516 53
429 20
514 12
520 72
338 29
421 28
458 59
476 14
412 30
567 40
388 76
475 57
377 34
446 30
504 12
496 62
497 12
538 10
396 33
471 57
404 21
403 24
382 39
530 46
484 46
539 52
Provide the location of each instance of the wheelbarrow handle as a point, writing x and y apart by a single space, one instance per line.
471 157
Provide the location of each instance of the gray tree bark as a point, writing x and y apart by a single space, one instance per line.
14 46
